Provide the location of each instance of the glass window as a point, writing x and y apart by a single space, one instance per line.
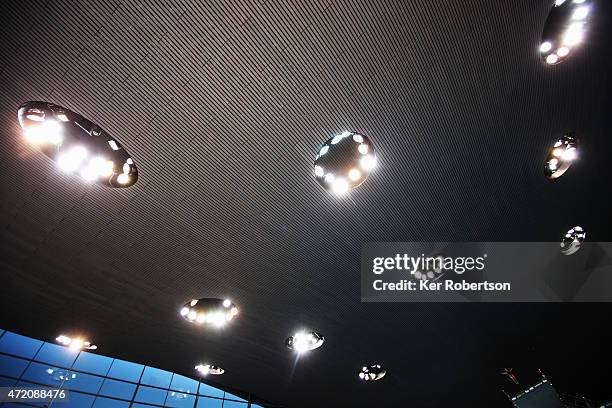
234 397
1 332
136 405
124 370
102 402
17 345
234 404
156 377
93 363
205 402
77 400
118 389
184 384
25 384
11 366
45 374
180 400
7 382
256 406
56 355
84 382
210 391
150 395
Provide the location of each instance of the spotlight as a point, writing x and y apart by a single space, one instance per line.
206 369
211 311
572 240
344 162
302 341
69 139
564 28
75 343
372 373
561 156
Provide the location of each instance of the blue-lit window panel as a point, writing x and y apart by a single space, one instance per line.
1 332
12 366
150 395
17 345
156 377
180 400
184 384
7 382
234 397
93 363
205 402
136 405
234 404
118 389
56 355
125 370
210 391
84 382
43 374
102 402
26 384
77 400
256 406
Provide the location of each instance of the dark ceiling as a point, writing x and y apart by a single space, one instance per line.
223 107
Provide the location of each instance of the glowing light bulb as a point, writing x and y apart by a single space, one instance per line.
354 174
580 13
545 46
563 51
340 186
552 59
368 162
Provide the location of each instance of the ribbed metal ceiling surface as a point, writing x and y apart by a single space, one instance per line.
223 106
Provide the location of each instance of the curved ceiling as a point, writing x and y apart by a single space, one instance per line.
224 107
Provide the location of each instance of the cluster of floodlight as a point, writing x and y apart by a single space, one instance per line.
303 341
210 311
564 29
372 373
75 343
572 240
209 369
77 145
561 156
344 162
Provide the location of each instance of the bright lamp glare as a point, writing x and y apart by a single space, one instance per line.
580 13
48 132
72 160
546 46
573 35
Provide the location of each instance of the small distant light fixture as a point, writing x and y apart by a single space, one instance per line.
75 343
211 311
564 29
372 373
561 156
344 162
74 143
572 240
209 369
303 341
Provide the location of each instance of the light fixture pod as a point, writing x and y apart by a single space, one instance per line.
564 29
209 311
304 341
372 372
344 162
561 156
60 134
75 343
572 240
209 369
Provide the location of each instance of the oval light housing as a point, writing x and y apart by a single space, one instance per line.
564 29
373 372
561 156
303 341
572 240
209 311
77 145
344 162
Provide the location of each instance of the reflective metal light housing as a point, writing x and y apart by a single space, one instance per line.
561 156
564 29
212 311
209 369
572 240
372 373
305 341
77 144
344 162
